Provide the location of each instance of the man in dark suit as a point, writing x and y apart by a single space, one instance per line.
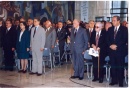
90 31
1 41
16 25
30 25
79 43
61 36
98 42
116 40
9 44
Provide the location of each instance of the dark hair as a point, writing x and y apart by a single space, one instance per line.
37 18
9 20
24 23
60 22
1 19
117 17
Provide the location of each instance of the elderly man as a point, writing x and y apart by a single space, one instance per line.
79 43
98 42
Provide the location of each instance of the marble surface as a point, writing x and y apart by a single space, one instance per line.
58 77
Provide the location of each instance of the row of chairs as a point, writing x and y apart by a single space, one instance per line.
106 66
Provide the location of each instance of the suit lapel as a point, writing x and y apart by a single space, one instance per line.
48 32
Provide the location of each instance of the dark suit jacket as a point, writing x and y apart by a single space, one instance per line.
1 35
120 39
80 41
102 44
9 39
25 42
61 36
30 29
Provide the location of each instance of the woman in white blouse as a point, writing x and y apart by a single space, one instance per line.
22 46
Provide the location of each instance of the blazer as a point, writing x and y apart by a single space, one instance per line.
24 43
50 38
38 41
61 36
9 39
102 44
80 41
120 39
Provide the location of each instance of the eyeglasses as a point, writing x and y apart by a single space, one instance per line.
96 27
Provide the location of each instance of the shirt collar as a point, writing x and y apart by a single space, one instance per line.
77 28
98 32
90 29
8 28
37 27
117 27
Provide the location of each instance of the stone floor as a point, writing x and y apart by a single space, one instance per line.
59 77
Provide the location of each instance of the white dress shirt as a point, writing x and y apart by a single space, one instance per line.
21 33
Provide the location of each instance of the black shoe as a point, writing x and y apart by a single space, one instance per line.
32 73
25 71
112 83
39 74
81 78
73 77
20 71
100 80
94 80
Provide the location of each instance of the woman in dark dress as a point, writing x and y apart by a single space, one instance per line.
22 46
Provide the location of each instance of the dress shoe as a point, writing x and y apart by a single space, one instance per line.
100 80
73 77
94 80
38 74
85 71
81 78
20 71
32 73
112 83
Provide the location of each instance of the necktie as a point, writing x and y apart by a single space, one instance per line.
75 32
115 32
90 33
6 31
34 31
97 39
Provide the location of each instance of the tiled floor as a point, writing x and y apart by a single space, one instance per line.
59 77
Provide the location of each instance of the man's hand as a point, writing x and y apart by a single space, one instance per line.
94 47
41 49
27 49
113 47
57 40
52 46
13 49
98 49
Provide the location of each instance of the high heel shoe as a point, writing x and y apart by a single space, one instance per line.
20 71
24 71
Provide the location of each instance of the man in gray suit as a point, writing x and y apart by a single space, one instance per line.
79 43
50 35
38 38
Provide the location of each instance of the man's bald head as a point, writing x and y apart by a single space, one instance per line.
98 26
76 23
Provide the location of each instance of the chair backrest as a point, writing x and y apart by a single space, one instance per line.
56 49
126 59
107 58
87 56
46 52
66 47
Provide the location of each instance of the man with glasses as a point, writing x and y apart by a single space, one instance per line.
98 43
